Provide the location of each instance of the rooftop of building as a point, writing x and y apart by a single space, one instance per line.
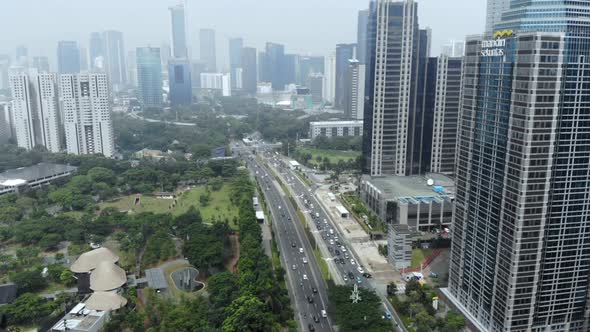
336 122
23 175
432 186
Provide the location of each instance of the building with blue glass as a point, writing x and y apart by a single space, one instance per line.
179 80
68 57
149 76
520 257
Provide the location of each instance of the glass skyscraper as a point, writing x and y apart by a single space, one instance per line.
149 76
68 57
177 18
179 77
520 258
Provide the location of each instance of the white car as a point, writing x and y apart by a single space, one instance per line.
301 250
304 260
352 261
331 241
360 269
331 231
305 277
343 248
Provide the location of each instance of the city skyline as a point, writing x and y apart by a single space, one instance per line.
297 37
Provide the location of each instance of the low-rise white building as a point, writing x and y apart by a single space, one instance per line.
335 128
216 81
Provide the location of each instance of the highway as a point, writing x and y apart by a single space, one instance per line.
308 289
343 255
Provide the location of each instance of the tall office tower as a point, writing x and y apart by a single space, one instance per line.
361 39
329 88
495 9
68 57
87 114
5 122
4 67
454 48
290 68
395 128
35 110
178 21
197 68
443 93
41 63
165 54
263 68
132 68
207 48
356 91
308 66
235 59
149 76
83 59
275 60
521 235
179 78
22 56
114 50
249 70
96 51
344 52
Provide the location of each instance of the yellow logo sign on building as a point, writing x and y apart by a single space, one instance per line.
503 34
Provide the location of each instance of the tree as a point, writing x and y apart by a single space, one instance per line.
247 314
392 289
28 281
67 278
101 174
9 214
28 308
222 288
453 322
362 316
50 241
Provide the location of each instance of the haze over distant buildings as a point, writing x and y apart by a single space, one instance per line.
257 21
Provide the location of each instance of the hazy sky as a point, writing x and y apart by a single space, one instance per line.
304 26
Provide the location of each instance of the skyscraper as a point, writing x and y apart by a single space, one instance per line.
263 68
83 59
356 91
249 70
41 63
275 60
308 66
344 52
395 128
87 114
454 48
235 59
149 76
197 68
290 68
177 18
22 56
114 49
96 51
361 39
207 48
35 111
442 99
329 88
68 57
179 78
495 9
521 235
132 68
4 66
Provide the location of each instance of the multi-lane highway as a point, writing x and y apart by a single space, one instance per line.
343 256
308 289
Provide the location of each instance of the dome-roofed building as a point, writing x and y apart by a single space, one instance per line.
88 261
107 276
105 301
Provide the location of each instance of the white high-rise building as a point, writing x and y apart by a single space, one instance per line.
329 88
216 81
87 114
494 12
454 48
35 110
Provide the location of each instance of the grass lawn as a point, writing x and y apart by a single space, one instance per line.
333 155
323 265
219 205
419 255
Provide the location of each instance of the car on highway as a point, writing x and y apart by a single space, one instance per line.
352 261
294 267
304 260
314 290
350 275
305 277
311 327
367 275
316 319
342 261
301 250
310 299
332 241
324 313
359 280
360 269
343 248
386 315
